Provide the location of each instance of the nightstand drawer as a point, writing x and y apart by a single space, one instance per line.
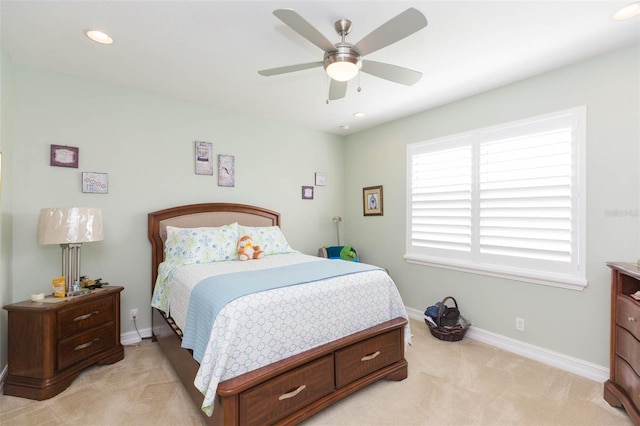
628 380
85 344
84 317
277 398
363 358
628 348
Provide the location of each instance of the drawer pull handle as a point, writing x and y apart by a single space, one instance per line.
87 316
631 319
292 393
86 345
370 357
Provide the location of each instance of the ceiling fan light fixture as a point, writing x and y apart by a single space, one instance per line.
342 65
342 71
629 11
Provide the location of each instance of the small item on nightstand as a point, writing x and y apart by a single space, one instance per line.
37 297
58 286
91 284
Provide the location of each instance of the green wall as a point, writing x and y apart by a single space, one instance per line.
571 322
146 145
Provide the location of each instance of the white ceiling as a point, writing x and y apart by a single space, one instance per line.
210 51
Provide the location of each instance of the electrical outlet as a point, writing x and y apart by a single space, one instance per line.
519 324
133 313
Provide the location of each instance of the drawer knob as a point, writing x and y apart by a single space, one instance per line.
87 316
631 319
86 345
292 393
370 357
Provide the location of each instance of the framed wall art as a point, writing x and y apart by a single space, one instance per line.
226 170
95 183
204 158
307 192
64 156
372 201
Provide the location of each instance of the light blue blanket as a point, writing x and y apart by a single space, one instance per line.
212 294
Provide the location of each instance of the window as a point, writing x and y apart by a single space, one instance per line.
502 201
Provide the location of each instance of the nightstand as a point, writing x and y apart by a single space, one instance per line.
49 344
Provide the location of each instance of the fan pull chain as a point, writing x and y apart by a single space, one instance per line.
359 88
328 88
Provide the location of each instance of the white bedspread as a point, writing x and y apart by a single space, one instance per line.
262 328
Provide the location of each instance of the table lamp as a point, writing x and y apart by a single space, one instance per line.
337 220
70 227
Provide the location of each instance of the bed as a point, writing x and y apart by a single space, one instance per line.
319 367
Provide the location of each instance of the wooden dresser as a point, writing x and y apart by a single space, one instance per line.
623 387
49 344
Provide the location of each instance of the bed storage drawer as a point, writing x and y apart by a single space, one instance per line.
283 395
362 358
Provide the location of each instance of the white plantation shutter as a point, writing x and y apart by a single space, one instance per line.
441 190
503 200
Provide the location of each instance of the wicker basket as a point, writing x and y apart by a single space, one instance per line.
450 334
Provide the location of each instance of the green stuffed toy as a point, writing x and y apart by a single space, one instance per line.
339 252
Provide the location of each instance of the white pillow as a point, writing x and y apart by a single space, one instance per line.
270 238
185 246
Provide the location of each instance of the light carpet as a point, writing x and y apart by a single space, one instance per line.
449 383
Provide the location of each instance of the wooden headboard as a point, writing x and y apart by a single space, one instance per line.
198 216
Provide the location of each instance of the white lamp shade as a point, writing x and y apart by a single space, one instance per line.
70 225
629 11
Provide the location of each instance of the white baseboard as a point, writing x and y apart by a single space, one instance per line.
132 337
564 362
555 359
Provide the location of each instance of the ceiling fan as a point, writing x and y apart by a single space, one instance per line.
343 61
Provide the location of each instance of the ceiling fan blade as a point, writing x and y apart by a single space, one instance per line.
391 72
289 68
395 29
337 89
305 29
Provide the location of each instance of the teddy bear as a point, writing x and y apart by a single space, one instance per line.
246 249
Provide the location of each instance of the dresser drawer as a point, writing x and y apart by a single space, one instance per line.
628 348
85 344
365 357
628 380
281 396
84 317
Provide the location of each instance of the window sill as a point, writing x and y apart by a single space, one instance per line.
535 277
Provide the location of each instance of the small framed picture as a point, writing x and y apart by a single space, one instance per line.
372 201
204 158
321 179
64 156
95 183
226 170
307 192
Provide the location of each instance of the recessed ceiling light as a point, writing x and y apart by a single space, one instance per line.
629 11
99 36
345 127
359 114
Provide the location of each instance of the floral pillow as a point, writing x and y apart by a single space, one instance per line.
270 239
185 246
